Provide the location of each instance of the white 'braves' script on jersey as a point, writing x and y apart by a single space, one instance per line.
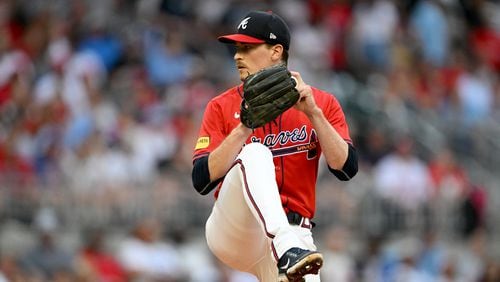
243 24
296 135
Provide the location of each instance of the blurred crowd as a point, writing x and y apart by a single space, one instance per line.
101 100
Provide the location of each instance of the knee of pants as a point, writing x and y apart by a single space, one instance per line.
237 247
256 153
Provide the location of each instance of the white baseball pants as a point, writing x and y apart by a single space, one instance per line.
248 229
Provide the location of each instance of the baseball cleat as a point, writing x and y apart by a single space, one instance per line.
296 263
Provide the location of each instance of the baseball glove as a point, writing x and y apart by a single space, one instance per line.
267 94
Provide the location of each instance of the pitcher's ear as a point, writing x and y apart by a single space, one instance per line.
277 52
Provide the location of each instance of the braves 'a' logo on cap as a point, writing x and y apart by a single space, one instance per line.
244 23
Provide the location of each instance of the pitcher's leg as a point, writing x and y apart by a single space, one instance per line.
263 198
233 234
249 203
266 269
292 257
306 238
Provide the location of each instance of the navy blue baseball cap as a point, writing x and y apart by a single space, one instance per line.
260 27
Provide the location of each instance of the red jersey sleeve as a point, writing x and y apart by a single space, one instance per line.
211 131
335 115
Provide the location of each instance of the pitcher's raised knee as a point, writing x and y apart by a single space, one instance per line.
256 150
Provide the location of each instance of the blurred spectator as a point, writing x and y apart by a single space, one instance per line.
104 44
402 177
472 210
144 255
448 77
166 57
149 144
475 93
377 264
195 257
448 176
431 259
95 263
47 100
429 23
312 48
16 72
339 265
375 23
47 142
402 181
16 66
15 170
482 30
338 21
406 268
374 146
48 260
47 87
470 262
84 75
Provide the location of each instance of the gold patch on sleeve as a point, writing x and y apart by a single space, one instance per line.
202 143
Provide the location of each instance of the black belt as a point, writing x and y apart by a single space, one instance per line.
295 218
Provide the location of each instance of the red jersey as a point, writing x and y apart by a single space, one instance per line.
291 138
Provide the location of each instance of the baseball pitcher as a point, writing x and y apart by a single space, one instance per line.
258 147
